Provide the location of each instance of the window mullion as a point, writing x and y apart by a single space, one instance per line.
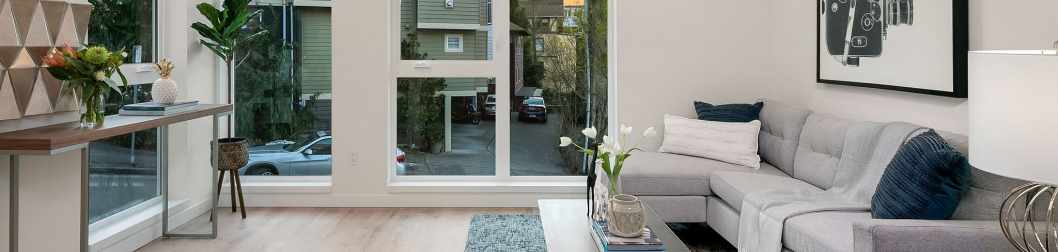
501 13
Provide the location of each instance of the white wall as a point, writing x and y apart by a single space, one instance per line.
670 55
1009 24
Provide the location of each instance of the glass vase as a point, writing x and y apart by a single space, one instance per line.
626 216
92 107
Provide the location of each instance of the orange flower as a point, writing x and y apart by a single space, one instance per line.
69 51
54 58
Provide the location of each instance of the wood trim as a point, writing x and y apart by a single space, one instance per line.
62 135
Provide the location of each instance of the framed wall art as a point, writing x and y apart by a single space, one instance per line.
904 45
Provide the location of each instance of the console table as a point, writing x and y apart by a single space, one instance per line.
64 137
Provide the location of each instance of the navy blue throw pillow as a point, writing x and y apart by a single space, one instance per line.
728 112
925 180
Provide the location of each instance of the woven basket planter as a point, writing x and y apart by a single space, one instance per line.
232 153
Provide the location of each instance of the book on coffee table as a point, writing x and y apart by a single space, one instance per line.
606 241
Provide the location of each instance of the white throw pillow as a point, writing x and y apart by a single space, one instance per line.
734 143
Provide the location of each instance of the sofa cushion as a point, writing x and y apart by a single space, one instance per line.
655 173
728 112
732 187
819 149
780 129
731 142
925 180
822 231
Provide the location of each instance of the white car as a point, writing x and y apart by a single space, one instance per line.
490 106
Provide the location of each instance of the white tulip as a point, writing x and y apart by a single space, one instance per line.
625 130
565 141
607 140
590 132
650 132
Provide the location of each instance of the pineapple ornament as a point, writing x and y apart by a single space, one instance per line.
164 90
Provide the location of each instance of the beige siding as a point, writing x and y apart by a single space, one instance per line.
315 50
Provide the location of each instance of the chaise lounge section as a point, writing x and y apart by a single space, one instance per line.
800 150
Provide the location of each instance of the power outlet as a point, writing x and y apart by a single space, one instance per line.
354 158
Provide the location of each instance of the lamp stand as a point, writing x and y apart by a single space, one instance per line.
1024 221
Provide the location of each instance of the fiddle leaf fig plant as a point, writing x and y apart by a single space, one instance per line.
224 31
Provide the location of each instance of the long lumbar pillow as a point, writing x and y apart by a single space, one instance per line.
729 142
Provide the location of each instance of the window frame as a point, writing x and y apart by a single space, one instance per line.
448 43
498 68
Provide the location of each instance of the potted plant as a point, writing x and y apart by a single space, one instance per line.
224 33
88 73
625 215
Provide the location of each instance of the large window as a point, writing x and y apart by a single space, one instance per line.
552 82
123 170
283 91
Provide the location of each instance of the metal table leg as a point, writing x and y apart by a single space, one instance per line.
164 167
84 199
13 212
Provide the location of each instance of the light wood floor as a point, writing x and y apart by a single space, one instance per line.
338 229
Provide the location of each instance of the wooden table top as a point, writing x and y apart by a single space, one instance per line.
62 135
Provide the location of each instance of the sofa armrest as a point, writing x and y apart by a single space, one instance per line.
879 235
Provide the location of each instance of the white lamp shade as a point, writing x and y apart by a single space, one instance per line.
1014 114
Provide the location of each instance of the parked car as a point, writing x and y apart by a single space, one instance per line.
308 154
533 108
490 107
402 162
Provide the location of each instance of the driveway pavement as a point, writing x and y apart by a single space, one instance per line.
534 151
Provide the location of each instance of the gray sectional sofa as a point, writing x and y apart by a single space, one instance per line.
800 150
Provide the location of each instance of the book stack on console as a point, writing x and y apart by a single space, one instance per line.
156 109
608 242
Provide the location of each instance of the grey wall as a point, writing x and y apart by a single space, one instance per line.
1007 24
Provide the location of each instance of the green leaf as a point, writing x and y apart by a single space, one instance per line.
214 15
219 50
124 80
208 33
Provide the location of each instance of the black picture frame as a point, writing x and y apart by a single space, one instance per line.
960 43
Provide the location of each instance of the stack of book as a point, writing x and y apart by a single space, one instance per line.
607 242
156 109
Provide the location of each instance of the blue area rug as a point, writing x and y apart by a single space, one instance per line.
506 233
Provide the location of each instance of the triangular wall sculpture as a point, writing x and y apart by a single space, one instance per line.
8 107
39 103
28 30
8 35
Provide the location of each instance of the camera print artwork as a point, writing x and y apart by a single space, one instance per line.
905 45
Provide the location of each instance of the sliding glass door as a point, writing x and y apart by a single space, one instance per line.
282 90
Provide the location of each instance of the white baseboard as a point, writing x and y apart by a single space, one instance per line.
138 229
501 200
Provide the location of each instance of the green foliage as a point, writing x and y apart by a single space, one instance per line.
420 110
115 24
267 93
224 31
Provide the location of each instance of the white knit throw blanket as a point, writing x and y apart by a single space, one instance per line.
868 149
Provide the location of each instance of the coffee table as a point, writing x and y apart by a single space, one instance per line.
566 227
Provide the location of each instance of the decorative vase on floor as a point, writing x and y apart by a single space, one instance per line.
164 89
626 216
92 100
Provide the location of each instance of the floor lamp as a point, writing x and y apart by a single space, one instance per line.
1013 107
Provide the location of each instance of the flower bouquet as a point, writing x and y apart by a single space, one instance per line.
88 74
623 213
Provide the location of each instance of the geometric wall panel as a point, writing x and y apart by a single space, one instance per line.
23 10
28 30
39 103
82 13
38 34
8 36
53 15
8 107
22 82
